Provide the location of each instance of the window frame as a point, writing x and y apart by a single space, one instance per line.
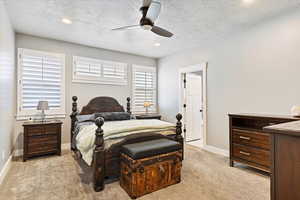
54 113
150 69
99 80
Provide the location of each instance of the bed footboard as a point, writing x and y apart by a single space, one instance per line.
98 164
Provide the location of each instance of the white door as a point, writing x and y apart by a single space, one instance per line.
193 109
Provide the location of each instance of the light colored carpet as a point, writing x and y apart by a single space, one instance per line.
205 176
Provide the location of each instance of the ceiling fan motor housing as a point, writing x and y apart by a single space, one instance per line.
146 23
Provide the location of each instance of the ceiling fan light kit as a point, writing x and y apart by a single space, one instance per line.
150 11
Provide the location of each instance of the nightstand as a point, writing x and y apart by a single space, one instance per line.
41 138
149 116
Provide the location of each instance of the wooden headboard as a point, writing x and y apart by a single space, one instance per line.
102 104
96 105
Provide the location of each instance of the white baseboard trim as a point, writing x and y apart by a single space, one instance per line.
19 152
66 146
5 169
216 150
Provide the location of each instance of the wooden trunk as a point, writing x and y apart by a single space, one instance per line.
140 177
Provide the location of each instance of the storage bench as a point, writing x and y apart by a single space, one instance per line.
150 166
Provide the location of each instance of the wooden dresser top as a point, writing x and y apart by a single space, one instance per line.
289 128
253 115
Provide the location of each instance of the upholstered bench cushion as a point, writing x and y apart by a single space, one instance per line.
150 148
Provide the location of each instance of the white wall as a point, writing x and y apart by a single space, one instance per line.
7 85
85 92
257 71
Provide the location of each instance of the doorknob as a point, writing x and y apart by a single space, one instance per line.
201 110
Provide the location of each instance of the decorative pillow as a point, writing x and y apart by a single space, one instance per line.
85 118
113 116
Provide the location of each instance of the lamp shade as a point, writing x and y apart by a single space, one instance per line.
147 104
43 105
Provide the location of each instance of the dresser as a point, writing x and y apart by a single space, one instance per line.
41 138
250 144
285 158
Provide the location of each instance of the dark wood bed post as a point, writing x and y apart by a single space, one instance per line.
73 117
178 136
128 105
99 157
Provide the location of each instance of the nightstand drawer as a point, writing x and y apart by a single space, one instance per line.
38 149
50 129
41 140
35 130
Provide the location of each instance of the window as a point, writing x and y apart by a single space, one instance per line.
88 70
144 89
40 77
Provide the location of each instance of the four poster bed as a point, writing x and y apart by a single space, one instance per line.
99 143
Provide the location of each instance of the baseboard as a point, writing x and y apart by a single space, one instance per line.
216 150
66 146
5 169
19 152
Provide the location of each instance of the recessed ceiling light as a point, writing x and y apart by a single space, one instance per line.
248 1
157 44
66 21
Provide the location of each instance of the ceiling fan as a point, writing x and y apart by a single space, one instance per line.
150 11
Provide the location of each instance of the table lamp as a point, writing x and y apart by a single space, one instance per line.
147 105
43 105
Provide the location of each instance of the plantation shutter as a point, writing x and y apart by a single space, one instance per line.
99 71
87 68
40 78
144 89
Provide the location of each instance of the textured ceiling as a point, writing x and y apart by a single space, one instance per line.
194 22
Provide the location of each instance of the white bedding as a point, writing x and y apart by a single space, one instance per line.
114 130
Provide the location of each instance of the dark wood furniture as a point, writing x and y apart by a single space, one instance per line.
41 138
285 156
148 116
250 144
140 176
106 164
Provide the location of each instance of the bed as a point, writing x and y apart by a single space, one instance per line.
98 143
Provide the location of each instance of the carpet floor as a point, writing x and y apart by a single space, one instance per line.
205 176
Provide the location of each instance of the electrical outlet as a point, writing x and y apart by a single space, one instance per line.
3 155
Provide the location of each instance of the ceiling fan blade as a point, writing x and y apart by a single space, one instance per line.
125 28
146 3
161 31
154 10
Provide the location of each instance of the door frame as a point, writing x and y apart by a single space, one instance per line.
195 68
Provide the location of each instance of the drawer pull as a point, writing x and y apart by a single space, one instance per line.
245 153
245 138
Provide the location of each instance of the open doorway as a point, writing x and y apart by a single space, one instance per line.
193 103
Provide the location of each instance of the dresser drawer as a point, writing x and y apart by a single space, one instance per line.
258 156
35 130
251 138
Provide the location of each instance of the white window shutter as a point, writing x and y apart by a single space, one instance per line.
144 89
88 70
41 77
